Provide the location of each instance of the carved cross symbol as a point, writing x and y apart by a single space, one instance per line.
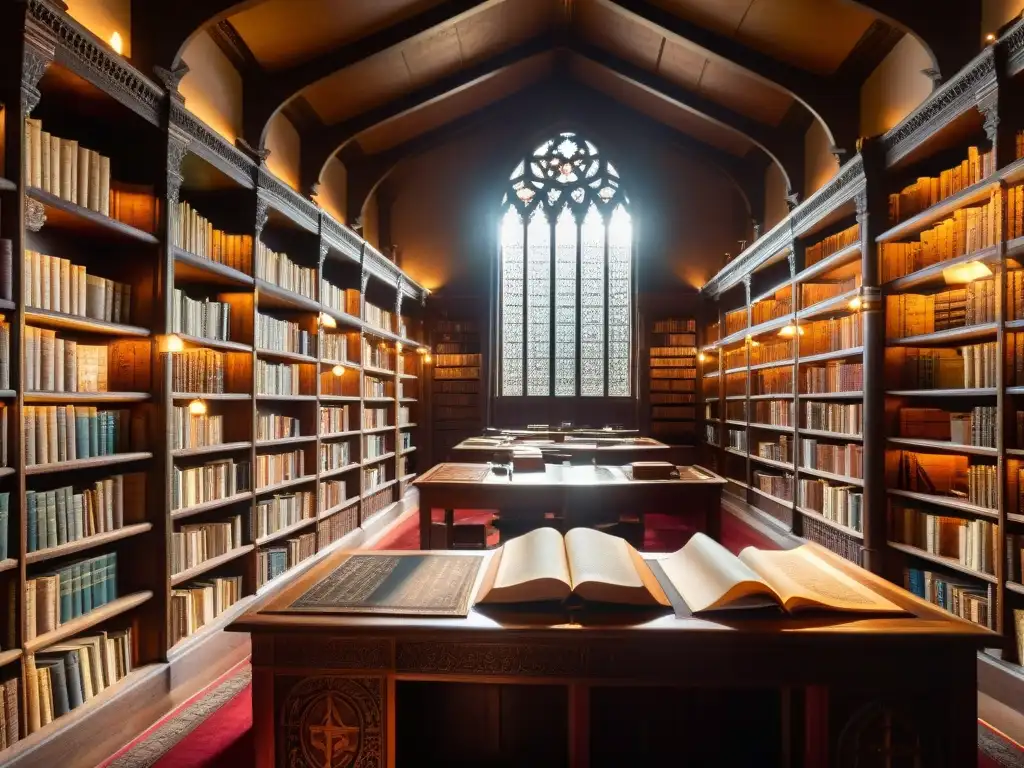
333 737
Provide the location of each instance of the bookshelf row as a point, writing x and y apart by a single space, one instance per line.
672 379
861 368
205 384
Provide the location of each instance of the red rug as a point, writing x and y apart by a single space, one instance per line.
213 729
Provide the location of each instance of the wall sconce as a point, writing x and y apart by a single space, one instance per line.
338 370
855 303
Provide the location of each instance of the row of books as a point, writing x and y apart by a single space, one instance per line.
912 315
779 486
973 544
72 673
846 459
332 528
736 321
831 335
711 434
374 418
1015 360
405 440
977 427
770 309
279 269
675 325
273 468
195 234
55 433
334 419
959 597
770 352
831 244
404 415
1014 558
66 169
10 713
214 480
346 300
273 561
374 446
280 511
55 364
815 293
380 318
198 370
337 455
833 377
339 384
200 317
73 590
194 544
736 358
377 502
1014 212
843 504
63 515
980 365
929 190
671 385
736 439
374 387
190 430
334 346
456 387
278 335
378 356
671 373
981 486
197 605
773 381
780 451
277 426
374 476
404 465
332 493
736 410
57 285
671 351
843 418
456 373
736 383
671 362
968 230
278 378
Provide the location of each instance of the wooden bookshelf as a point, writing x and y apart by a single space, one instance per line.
672 380
456 400
156 166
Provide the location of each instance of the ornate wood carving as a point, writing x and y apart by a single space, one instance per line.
262 214
211 147
39 52
259 155
1012 43
880 734
341 237
399 294
333 721
491 659
289 202
35 215
333 653
78 50
792 201
325 247
171 79
988 106
177 146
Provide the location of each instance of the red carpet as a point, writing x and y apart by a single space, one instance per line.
223 736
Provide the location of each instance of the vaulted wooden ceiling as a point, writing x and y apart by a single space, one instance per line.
745 78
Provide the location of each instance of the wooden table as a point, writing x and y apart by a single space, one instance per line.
579 450
580 493
560 434
611 689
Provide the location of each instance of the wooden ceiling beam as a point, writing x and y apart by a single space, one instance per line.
950 30
319 145
786 151
267 93
836 104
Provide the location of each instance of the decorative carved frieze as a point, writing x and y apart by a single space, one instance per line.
325 247
177 147
35 215
262 214
341 237
491 659
399 295
1012 43
171 79
211 147
332 653
299 209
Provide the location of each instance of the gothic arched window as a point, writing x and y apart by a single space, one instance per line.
566 275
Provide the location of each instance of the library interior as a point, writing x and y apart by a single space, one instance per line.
507 383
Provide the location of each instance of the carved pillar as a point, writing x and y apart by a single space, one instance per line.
39 46
994 103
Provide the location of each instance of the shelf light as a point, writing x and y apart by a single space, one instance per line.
398 347
427 358
855 303
117 43
172 343
990 38
701 357
789 331
327 321
338 370
962 274
197 407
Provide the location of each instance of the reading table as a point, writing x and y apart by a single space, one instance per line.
610 688
597 450
580 493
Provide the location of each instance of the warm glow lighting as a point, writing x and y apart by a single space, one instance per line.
990 38
702 357
327 321
427 359
789 331
421 351
398 346
854 303
197 407
173 344
117 43
966 273
338 370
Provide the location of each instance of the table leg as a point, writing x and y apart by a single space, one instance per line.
263 716
579 725
713 517
424 521
449 529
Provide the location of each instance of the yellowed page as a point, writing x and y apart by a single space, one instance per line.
533 567
708 576
805 581
603 569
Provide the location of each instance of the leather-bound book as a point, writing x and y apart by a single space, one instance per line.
652 470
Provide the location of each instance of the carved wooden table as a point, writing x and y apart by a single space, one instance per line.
611 689
580 493
595 450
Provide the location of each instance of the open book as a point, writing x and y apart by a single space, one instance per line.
709 577
544 565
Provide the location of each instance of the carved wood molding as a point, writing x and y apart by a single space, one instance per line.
375 263
491 659
78 50
331 653
35 215
210 146
177 148
1012 43
286 200
340 237
262 214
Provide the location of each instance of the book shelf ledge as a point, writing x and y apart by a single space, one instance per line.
772 427
7 393
211 396
8 564
736 452
368 493
741 369
378 371
6 657
407 376
769 326
840 258
413 424
976 392
198 269
736 423
306 398
1014 325
777 396
788 466
206 506
334 472
948 562
51 319
731 397
334 435
5 471
711 375
33 396
342 317
219 622
179 453
947 336
96 461
208 565
948 502
285 484
339 398
270 295
975 193
406 478
91 619
404 451
372 430
378 399
1015 586
293 356
837 305
285 441
844 479
408 400
375 459
228 346
807 512
933 272
945 445
280 534
837 354
739 336
777 364
343 363
338 507
61 214
41 555
831 395
776 499
6 185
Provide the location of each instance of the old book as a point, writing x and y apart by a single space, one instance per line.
1018 621
84 158
104 191
45 696
35 151
32 690
652 470
44 151
12 710
68 158
6 267
708 577
58 683
55 163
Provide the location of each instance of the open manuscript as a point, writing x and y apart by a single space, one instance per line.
545 566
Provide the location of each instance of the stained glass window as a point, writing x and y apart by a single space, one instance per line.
566 275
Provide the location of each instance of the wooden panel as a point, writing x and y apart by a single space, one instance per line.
722 16
501 26
731 87
432 55
618 33
682 64
282 33
360 87
462 103
660 109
